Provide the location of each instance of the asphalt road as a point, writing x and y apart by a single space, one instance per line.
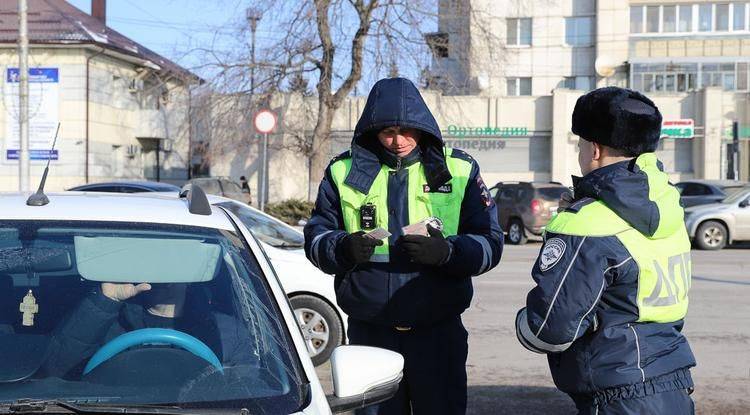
505 378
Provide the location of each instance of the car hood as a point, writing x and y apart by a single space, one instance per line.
712 207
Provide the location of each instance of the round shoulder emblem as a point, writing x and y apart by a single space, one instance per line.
551 254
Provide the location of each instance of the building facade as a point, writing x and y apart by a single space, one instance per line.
691 57
122 109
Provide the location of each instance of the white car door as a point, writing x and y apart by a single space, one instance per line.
742 220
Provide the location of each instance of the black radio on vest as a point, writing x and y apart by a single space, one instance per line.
367 216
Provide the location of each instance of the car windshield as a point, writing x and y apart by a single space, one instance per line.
552 193
266 228
141 314
737 196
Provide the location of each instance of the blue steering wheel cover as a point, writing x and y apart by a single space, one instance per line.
155 336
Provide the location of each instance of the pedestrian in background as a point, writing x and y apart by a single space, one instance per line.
613 275
406 292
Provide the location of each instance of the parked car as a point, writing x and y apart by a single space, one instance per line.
222 186
232 343
525 208
310 290
704 192
714 226
132 186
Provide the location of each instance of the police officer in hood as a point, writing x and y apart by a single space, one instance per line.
406 292
613 275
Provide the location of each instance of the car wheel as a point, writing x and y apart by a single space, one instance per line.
711 235
516 232
320 325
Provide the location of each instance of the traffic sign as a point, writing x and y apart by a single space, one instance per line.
684 128
265 121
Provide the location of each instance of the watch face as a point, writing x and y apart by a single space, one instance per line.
434 222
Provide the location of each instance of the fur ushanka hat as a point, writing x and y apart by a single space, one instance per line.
619 118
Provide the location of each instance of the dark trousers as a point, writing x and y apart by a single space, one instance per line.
434 366
676 402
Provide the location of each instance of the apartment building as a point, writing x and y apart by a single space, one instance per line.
691 57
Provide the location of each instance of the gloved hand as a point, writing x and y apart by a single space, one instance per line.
358 248
427 250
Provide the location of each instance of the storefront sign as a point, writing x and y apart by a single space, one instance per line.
43 112
463 131
678 128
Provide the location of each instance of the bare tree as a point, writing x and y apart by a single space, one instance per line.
345 43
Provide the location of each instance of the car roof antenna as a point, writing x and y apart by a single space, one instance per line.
39 198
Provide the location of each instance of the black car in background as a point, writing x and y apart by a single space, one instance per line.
135 186
704 192
525 208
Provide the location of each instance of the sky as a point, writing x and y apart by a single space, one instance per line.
177 28
172 27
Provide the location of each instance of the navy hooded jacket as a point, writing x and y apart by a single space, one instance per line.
584 311
401 292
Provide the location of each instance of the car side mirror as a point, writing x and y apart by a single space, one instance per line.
363 376
745 203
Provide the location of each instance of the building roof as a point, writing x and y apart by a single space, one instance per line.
57 22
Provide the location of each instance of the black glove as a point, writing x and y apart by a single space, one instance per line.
358 248
427 250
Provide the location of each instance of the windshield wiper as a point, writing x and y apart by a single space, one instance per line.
30 406
27 406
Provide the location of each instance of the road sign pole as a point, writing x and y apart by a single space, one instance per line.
264 179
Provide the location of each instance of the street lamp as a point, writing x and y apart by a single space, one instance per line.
253 16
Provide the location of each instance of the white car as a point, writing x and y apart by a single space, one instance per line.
144 303
310 291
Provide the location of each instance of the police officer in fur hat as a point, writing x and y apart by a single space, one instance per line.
613 275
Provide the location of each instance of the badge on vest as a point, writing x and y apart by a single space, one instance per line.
551 254
367 216
446 188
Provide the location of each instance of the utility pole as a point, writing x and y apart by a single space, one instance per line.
23 97
253 16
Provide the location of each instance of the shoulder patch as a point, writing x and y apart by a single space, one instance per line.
553 251
461 155
345 155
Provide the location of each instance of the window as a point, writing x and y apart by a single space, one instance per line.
578 31
686 18
670 77
742 76
739 16
636 19
519 31
705 17
669 14
583 83
518 86
722 17
695 189
652 19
